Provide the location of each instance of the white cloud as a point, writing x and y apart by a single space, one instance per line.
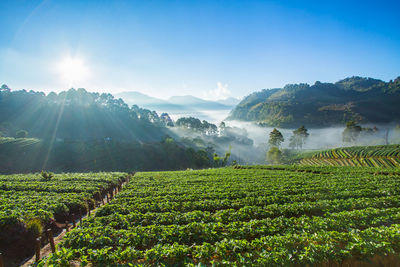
221 92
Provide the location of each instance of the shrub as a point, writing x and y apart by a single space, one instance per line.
46 175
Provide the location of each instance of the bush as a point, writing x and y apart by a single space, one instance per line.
46 175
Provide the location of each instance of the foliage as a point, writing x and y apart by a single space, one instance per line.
46 175
387 156
78 115
275 138
28 204
247 216
299 137
21 155
196 125
322 104
222 161
351 132
274 155
34 227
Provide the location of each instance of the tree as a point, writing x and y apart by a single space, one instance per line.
166 119
21 134
222 161
5 88
299 137
275 138
351 132
274 155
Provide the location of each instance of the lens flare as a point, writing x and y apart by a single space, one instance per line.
73 69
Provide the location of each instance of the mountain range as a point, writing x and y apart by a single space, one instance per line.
176 103
364 100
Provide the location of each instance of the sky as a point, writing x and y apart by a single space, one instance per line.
210 49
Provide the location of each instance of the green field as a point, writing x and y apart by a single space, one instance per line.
259 215
29 203
387 156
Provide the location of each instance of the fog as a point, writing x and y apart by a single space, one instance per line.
212 116
248 142
322 138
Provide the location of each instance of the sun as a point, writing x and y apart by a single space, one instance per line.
73 69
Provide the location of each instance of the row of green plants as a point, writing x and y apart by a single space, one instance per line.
246 215
360 151
387 156
31 203
40 196
354 162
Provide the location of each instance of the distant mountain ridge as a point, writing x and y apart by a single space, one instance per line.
175 103
365 100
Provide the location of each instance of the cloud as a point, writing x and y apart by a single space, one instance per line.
221 92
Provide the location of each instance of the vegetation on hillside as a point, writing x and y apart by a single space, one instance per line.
76 115
363 100
362 156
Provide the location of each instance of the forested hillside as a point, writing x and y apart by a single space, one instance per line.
364 100
76 114
81 131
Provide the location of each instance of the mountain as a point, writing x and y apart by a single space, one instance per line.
196 103
364 100
175 103
230 101
182 106
137 98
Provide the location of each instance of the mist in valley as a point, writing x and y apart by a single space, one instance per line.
248 142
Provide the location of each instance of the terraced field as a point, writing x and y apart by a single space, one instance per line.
368 156
259 215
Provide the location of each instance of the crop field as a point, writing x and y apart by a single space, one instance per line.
361 156
29 202
258 215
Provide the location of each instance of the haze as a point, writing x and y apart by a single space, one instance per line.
209 49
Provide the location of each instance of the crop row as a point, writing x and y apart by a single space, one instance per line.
361 151
21 199
354 162
247 215
292 249
119 232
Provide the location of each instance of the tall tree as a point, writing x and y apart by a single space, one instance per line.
351 132
275 138
299 137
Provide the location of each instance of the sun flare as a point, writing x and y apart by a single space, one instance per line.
73 69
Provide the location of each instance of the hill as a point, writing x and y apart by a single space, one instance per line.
76 115
364 100
175 103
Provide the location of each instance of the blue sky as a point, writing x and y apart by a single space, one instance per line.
210 49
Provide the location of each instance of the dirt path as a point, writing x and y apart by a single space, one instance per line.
46 250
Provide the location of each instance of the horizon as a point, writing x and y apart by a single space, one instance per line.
208 50
187 95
